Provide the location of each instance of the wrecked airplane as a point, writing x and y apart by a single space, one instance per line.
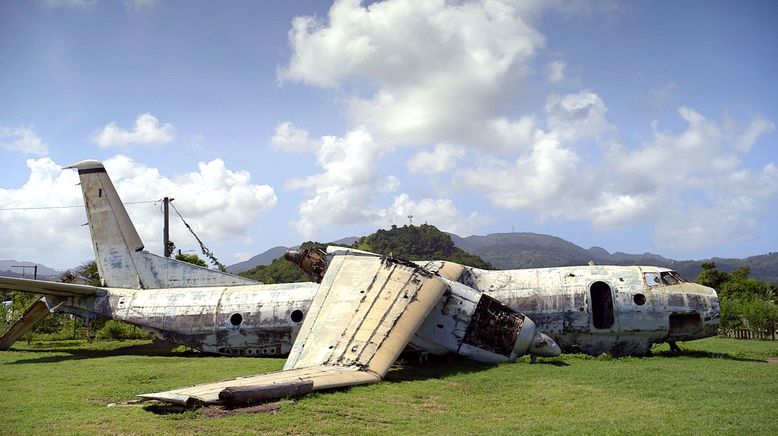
621 310
346 330
349 328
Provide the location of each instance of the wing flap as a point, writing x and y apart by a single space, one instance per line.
49 288
363 315
366 310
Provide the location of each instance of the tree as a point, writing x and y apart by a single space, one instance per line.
745 302
191 258
710 276
279 271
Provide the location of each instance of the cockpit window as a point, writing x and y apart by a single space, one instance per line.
668 279
680 278
652 279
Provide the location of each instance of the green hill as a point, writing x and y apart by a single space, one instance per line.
422 242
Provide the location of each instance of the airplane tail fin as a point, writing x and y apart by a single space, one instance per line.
121 260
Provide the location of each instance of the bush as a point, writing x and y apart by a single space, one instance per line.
120 330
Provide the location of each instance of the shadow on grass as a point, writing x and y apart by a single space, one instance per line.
445 366
698 354
156 348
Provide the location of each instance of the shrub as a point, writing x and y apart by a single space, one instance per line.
120 330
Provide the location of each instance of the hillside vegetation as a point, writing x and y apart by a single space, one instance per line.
424 242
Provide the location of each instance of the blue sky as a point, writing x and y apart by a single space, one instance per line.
636 126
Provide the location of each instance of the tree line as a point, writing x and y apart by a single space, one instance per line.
746 303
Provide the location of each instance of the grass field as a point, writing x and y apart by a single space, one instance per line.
715 386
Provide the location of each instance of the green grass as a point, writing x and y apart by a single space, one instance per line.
715 386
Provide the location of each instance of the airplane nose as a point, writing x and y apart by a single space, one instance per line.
544 346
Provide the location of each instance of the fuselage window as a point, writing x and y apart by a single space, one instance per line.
602 305
652 279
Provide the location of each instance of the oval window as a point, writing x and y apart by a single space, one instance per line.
297 315
639 299
236 319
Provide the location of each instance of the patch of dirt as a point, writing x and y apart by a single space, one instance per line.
214 412
773 360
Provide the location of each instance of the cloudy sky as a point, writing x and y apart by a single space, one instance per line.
637 126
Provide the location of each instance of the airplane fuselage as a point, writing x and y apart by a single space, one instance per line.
253 320
595 309
590 309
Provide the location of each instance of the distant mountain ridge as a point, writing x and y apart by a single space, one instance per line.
7 269
535 250
267 257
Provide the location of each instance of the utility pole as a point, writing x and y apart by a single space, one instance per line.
410 219
24 268
166 244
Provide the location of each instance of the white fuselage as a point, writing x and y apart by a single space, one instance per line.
592 309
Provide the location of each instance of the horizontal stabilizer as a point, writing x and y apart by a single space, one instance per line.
49 288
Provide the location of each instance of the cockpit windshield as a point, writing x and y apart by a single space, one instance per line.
664 278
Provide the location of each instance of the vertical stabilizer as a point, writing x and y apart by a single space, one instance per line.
121 261
113 235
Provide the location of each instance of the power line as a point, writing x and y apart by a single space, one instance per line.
71 207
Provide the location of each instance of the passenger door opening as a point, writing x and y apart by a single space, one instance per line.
602 305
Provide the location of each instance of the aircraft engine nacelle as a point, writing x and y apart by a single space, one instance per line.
479 327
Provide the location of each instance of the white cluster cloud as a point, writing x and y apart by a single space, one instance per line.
344 191
347 190
576 117
22 139
219 203
689 183
443 158
452 74
531 181
53 233
457 86
440 212
145 131
289 138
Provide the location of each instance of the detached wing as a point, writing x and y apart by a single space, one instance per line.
365 312
49 288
